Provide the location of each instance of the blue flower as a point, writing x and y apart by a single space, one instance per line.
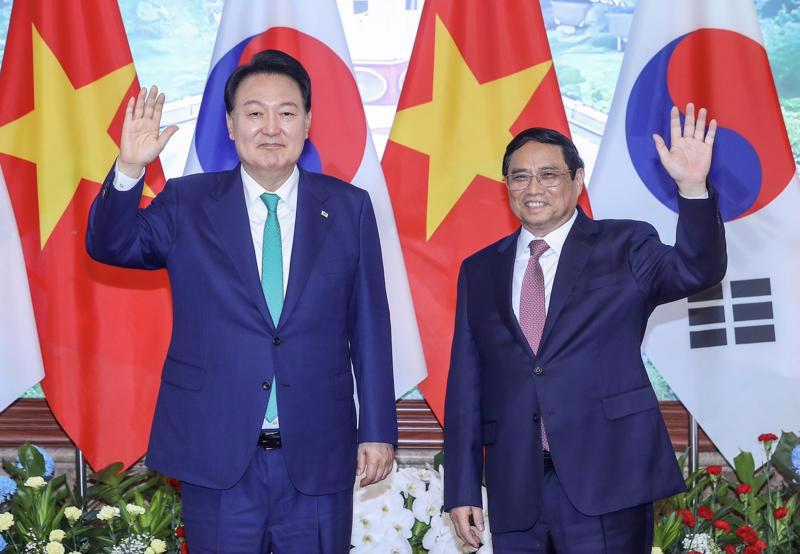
2 543
796 459
8 487
49 463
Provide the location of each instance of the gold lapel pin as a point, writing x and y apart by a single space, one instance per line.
323 213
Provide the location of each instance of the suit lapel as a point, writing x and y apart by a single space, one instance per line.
227 210
571 262
310 229
507 253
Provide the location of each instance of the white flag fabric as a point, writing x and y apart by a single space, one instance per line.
730 354
339 142
20 358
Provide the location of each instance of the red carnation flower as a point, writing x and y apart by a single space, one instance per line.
743 488
747 534
714 470
705 512
767 437
757 548
180 531
729 549
184 548
694 552
781 512
687 517
722 525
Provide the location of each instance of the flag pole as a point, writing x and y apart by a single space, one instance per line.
80 476
694 452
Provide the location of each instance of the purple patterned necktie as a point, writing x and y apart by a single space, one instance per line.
532 310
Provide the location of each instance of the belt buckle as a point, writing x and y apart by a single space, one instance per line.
269 440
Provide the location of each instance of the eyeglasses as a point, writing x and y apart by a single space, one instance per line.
549 179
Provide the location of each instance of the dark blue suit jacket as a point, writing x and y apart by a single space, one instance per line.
224 344
608 441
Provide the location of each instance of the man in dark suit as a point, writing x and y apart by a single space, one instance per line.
546 373
277 289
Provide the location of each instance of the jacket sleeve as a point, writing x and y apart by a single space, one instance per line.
371 337
463 454
122 234
698 260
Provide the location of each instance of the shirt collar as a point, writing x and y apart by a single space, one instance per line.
287 192
555 239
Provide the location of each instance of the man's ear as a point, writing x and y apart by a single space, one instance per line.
229 123
308 123
580 174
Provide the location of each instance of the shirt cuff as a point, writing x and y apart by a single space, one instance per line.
122 182
701 197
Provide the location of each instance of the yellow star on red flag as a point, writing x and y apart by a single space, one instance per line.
66 133
464 129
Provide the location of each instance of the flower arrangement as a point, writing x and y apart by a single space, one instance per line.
751 512
403 514
123 513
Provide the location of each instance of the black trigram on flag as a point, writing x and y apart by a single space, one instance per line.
749 314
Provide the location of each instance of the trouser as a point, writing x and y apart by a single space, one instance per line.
264 513
561 529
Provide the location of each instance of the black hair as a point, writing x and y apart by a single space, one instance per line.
545 136
269 62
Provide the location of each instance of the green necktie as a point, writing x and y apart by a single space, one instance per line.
272 278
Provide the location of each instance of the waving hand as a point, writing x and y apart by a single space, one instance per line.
141 141
688 159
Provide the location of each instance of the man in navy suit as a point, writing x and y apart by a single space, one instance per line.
546 375
277 290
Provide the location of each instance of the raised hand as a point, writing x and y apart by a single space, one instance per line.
688 160
141 142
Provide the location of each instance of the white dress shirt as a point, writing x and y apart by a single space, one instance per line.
548 261
287 213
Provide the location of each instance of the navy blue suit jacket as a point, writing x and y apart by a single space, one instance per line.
608 441
224 345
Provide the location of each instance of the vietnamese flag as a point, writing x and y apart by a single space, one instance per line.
480 73
66 75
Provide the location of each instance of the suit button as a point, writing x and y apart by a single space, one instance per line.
538 370
276 341
266 385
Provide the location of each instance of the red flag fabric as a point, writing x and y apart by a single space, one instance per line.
480 72
66 76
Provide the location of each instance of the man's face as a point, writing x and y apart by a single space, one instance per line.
542 209
269 126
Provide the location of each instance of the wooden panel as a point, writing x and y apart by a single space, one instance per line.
677 419
418 426
30 420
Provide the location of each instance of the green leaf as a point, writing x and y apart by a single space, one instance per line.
13 471
438 460
31 460
110 474
666 531
745 468
782 460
